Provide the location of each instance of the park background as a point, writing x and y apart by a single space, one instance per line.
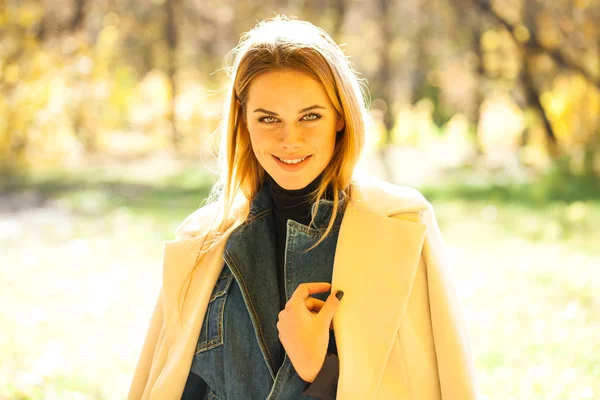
108 108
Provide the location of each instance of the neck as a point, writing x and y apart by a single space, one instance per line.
303 192
293 202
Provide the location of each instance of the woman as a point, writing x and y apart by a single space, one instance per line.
248 306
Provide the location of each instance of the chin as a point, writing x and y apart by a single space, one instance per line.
292 184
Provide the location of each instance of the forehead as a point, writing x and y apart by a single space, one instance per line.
286 87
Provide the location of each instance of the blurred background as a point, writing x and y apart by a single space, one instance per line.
108 107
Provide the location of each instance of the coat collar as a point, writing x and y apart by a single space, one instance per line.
376 258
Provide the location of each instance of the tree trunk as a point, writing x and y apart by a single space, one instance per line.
41 31
533 98
78 16
172 42
385 76
419 75
384 84
340 8
479 96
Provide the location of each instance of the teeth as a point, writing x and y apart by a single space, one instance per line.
293 161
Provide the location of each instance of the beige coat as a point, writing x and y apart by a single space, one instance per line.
400 330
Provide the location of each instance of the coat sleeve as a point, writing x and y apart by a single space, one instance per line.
151 343
450 335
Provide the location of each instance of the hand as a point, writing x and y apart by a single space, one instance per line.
304 326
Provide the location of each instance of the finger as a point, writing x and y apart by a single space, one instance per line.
314 304
329 309
304 290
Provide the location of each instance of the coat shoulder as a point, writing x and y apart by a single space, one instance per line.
198 222
384 198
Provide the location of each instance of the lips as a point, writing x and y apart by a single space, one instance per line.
288 158
292 168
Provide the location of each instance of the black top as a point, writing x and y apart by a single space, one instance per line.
296 205
288 204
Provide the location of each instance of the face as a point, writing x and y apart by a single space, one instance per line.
290 117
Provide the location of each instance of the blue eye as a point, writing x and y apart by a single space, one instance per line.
269 119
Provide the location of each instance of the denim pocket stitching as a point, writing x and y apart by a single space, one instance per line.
218 340
221 292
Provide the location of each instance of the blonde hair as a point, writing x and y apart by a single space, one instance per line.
283 43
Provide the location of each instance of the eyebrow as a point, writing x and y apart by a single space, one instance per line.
316 106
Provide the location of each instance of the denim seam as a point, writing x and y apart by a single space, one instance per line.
252 310
278 378
207 346
249 220
221 292
217 341
313 231
220 318
288 239
252 218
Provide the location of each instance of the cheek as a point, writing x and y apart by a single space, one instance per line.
254 133
324 139
260 139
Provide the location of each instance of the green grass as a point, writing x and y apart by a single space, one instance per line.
526 258
80 268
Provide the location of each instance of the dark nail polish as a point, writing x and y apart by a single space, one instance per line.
339 294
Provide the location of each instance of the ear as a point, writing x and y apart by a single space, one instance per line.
341 123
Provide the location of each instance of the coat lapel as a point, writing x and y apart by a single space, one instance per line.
375 264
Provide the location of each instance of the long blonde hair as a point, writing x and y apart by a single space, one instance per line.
283 43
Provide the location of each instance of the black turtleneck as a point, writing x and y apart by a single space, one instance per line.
288 204
296 205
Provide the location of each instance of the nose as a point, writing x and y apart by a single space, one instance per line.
291 136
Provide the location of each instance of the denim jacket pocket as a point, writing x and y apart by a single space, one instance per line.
211 333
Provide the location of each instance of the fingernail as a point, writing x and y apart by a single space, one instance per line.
339 294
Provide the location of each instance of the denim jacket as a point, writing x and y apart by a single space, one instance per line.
238 354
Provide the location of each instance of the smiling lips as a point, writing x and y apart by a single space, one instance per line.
292 159
296 163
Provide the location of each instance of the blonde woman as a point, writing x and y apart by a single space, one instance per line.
248 306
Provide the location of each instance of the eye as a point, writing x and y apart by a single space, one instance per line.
311 116
269 119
